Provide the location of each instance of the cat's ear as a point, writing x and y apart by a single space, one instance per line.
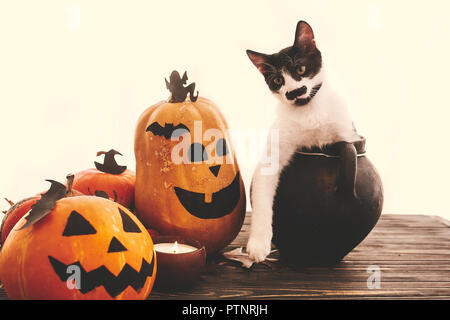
259 60
304 36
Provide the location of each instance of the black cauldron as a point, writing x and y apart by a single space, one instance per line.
327 202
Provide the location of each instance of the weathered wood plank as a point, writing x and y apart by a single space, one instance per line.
412 252
261 293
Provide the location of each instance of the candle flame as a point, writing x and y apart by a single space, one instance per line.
175 247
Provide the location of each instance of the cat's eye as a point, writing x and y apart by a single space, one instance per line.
278 81
300 70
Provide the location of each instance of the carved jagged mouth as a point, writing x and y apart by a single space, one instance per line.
103 277
222 202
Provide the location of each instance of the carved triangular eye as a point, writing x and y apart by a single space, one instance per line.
116 246
128 224
77 225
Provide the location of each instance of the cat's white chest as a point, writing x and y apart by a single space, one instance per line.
322 121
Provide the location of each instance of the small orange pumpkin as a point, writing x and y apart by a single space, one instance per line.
19 209
108 180
13 215
201 195
84 248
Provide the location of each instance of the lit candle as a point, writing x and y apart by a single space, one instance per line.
180 261
174 248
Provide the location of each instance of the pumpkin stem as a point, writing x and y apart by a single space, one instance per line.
9 201
109 164
70 177
178 90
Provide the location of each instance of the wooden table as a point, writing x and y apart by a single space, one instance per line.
411 251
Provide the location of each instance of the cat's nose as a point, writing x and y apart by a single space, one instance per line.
291 95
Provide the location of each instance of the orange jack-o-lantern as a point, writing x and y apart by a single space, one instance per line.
84 248
187 179
108 180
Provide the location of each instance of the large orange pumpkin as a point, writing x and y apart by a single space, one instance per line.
108 180
92 238
187 183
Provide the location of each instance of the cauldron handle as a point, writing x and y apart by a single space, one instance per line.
348 166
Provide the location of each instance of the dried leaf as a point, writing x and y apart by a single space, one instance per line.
9 201
238 255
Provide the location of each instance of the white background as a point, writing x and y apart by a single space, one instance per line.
75 76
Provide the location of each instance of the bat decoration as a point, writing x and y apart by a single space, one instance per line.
167 131
109 164
178 90
46 204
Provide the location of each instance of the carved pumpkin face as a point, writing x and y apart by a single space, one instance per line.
91 238
187 179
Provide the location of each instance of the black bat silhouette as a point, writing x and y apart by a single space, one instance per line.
45 205
167 131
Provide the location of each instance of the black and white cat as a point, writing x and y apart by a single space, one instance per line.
310 114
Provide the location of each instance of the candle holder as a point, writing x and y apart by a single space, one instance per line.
178 269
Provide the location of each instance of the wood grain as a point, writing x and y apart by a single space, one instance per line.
412 252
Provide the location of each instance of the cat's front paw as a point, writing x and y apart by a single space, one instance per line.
258 248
